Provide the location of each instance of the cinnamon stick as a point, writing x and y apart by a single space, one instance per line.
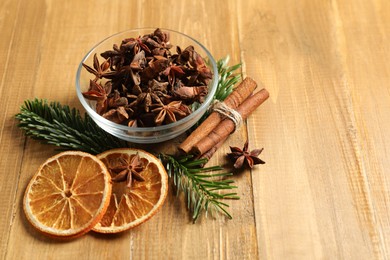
207 155
226 127
242 92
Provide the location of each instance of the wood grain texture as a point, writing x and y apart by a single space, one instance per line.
317 188
323 192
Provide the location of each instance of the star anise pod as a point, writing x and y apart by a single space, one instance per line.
100 70
162 38
182 57
159 43
156 65
169 113
132 123
99 93
161 90
151 95
200 72
116 115
242 157
139 61
136 44
172 72
116 55
116 100
189 93
131 71
145 100
127 170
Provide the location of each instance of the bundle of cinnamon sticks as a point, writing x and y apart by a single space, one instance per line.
214 131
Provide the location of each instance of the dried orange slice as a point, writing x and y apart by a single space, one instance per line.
68 195
132 206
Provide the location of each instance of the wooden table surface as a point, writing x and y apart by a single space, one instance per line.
324 190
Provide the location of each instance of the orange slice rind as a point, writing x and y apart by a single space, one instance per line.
68 195
130 207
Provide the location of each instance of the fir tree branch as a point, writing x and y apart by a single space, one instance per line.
55 124
201 186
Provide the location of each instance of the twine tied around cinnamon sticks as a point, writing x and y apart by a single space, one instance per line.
217 127
228 112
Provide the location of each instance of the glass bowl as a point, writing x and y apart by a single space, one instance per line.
145 134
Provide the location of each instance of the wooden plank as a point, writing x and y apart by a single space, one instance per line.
67 33
366 41
314 197
19 53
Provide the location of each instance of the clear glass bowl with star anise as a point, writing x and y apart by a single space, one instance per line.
147 85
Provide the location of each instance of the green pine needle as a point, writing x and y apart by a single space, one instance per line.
227 78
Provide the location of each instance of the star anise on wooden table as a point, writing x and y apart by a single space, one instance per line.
127 170
242 157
